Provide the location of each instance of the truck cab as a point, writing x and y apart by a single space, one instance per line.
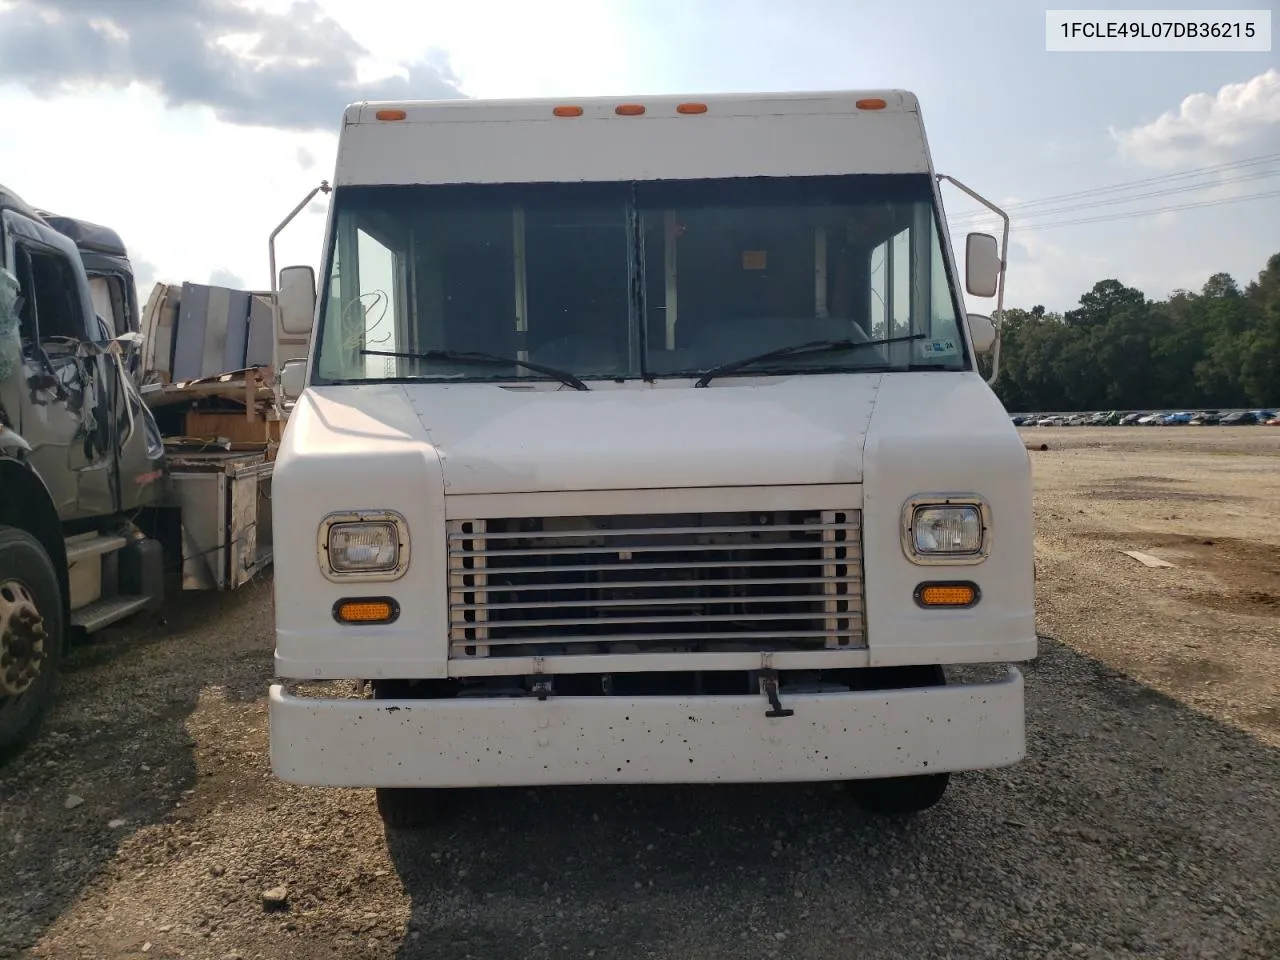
111 281
77 450
645 441
95 512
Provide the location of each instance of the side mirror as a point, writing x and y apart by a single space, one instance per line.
293 378
297 299
982 332
982 264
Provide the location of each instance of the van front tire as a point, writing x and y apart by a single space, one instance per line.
900 796
408 808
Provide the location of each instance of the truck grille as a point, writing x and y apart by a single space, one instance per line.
766 580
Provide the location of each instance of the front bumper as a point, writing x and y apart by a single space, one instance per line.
582 740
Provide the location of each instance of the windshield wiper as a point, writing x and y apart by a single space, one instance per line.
814 346
487 359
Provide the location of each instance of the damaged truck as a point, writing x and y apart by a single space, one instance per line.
116 484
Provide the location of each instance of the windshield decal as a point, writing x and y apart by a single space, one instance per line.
940 348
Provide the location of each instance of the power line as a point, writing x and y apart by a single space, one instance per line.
1147 181
1111 201
1135 214
1129 185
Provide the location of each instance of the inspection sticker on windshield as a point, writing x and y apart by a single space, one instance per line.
939 348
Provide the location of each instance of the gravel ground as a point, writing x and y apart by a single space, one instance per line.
146 823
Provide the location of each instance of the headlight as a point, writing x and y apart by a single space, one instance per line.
366 545
363 547
955 530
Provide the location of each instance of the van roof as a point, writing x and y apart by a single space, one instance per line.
722 104
645 138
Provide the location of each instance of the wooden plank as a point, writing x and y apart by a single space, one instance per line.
1147 559
231 426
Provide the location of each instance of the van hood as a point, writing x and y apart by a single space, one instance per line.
800 430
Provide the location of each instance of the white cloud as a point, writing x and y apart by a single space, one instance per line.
189 194
294 69
1040 271
1209 127
222 277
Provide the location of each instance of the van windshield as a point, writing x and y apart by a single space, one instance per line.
636 280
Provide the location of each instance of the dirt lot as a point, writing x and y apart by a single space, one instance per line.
1144 822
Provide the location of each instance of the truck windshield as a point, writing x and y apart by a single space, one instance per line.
636 280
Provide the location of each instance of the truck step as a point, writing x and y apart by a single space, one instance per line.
92 545
103 613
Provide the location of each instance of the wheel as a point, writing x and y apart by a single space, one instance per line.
901 796
408 808
31 632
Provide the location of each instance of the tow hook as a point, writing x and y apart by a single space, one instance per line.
542 688
769 685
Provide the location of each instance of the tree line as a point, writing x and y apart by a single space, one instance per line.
1218 348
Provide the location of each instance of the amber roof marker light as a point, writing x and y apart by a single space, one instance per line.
870 103
691 108
629 109
390 115
567 111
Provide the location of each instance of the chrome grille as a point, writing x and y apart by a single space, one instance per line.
765 580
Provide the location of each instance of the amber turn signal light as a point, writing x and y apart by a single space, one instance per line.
953 595
366 610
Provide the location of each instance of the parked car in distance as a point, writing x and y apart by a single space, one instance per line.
1240 418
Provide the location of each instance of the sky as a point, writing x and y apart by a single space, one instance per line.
193 127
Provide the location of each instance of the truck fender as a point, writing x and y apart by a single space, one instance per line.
12 444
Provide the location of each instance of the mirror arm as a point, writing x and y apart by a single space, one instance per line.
271 241
998 316
275 280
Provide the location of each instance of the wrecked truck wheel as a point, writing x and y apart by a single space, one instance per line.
30 636
901 796
408 808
